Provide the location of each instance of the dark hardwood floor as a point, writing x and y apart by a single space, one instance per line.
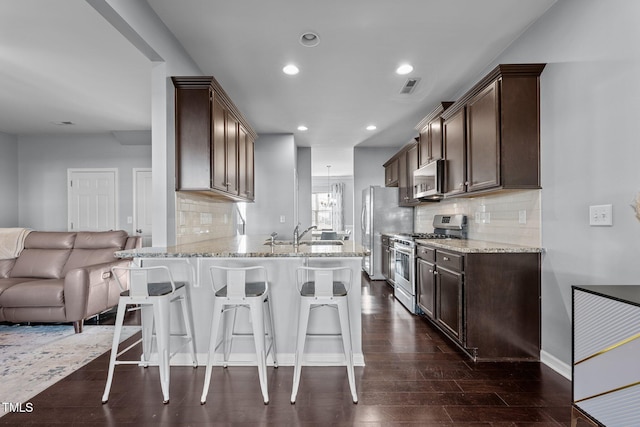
412 376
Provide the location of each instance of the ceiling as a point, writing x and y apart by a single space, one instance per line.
61 61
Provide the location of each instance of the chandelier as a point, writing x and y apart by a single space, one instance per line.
329 202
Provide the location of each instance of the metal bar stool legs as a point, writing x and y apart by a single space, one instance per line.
322 290
233 291
154 299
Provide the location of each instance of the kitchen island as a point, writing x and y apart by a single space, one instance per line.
281 260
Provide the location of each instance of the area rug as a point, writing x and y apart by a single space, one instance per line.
33 358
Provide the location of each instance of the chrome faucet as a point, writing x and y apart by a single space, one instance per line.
273 238
297 236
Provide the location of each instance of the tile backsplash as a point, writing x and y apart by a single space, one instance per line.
510 217
200 218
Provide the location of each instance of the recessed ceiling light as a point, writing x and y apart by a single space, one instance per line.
291 70
371 127
302 128
404 69
309 39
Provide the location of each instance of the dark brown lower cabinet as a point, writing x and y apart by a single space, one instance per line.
449 288
487 303
427 287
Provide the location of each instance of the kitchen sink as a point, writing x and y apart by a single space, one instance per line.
307 242
323 242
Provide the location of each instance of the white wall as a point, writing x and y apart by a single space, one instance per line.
304 186
8 180
590 105
43 165
275 166
367 170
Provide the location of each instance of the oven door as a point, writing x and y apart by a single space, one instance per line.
405 265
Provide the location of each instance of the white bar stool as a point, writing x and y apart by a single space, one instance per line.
322 290
151 290
241 287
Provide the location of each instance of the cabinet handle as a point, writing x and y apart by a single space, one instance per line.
445 258
430 271
466 183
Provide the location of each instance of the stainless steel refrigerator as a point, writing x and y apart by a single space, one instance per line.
381 214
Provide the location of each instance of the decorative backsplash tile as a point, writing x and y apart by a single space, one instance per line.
200 218
511 217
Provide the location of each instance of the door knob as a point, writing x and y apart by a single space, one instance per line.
138 230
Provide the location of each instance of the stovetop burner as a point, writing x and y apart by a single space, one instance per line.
436 236
444 227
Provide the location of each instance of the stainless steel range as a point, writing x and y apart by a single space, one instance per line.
444 227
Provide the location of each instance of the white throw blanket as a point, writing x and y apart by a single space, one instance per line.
12 242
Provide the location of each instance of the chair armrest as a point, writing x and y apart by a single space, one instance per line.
79 282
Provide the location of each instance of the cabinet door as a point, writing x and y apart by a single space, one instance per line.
402 179
193 145
483 139
250 176
449 305
386 253
231 152
424 146
454 153
435 139
407 162
218 144
245 164
391 174
426 287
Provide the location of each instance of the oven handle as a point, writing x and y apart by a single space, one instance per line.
403 250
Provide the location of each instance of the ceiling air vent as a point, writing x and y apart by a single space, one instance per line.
409 85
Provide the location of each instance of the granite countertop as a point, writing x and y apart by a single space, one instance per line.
478 246
247 247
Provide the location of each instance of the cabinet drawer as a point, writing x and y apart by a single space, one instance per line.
449 260
425 253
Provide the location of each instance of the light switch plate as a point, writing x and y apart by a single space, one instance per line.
282 219
601 215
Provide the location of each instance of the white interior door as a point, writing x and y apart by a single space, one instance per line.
142 205
92 199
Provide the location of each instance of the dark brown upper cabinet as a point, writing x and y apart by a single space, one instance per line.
399 173
494 129
214 142
391 172
454 152
430 140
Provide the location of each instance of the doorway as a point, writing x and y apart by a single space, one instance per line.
92 196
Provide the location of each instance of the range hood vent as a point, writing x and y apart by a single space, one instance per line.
410 85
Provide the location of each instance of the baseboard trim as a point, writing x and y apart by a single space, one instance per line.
556 364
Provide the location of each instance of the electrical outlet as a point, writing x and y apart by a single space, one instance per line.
522 216
601 215
282 219
483 217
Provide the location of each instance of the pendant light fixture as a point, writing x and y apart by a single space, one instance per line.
330 201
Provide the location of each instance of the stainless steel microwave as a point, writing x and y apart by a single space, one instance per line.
428 181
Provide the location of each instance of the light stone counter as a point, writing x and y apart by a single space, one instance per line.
281 262
248 247
478 246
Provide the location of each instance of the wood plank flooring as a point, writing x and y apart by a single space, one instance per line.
413 376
